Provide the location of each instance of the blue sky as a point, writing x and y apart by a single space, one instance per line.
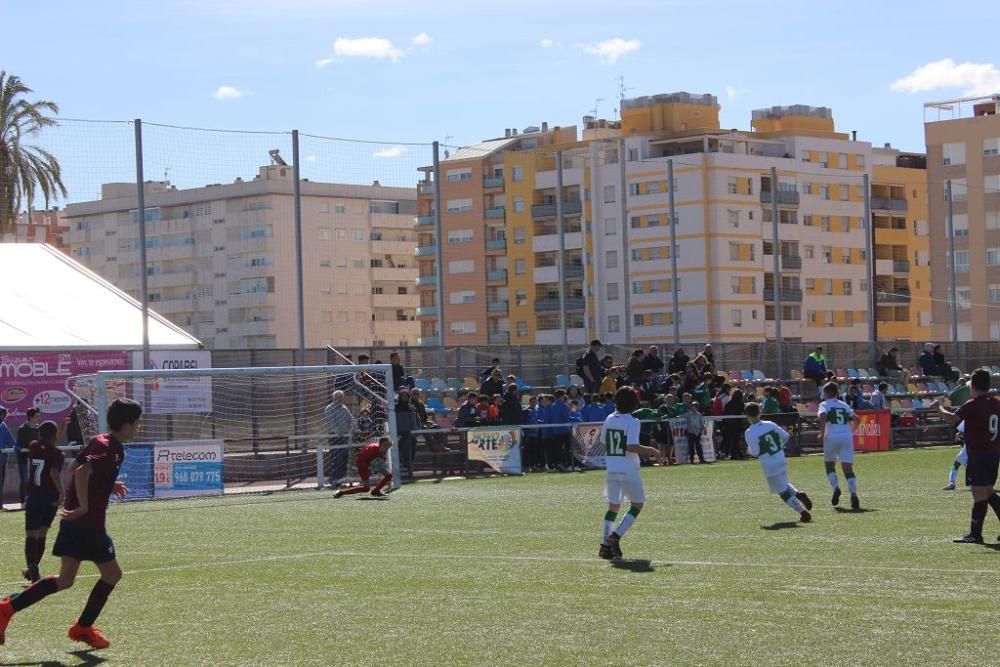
467 70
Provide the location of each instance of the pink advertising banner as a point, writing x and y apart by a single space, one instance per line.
38 380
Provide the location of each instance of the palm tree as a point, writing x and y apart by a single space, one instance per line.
25 169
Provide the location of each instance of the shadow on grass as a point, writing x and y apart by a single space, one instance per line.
847 510
781 525
633 565
86 658
993 547
375 498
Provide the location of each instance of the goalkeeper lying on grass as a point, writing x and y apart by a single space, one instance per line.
371 459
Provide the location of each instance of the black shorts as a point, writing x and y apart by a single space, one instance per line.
982 468
82 543
39 512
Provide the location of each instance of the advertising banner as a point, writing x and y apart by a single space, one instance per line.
183 395
137 471
499 448
187 468
588 447
38 380
874 433
678 428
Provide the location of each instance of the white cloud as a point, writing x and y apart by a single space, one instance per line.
323 62
546 43
972 78
367 47
392 151
310 158
610 50
423 39
228 93
730 92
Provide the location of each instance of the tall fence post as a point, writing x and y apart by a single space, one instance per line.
673 255
438 254
140 194
561 258
776 253
626 252
869 229
951 263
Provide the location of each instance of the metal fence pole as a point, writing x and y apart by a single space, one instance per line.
300 280
626 226
561 259
141 213
776 253
675 287
951 262
438 254
869 229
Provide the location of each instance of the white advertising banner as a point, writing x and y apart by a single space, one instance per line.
187 468
499 448
182 395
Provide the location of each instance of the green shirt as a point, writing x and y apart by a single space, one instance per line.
648 431
770 406
702 396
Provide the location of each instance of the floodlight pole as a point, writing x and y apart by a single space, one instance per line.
300 280
141 213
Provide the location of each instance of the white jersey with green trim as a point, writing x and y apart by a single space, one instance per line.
620 431
838 417
766 441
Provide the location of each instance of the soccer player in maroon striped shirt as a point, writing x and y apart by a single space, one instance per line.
981 415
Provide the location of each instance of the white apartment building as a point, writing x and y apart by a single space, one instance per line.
221 259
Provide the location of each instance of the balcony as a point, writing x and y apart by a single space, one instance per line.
793 262
499 338
396 301
427 311
900 266
549 210
428 340
573 271
425 187
490 182
394 275
783 197
496 244
496 213
253 328
426 281
788 295
550 305
497 306
885 204
423 221
888 297
425 251
499 275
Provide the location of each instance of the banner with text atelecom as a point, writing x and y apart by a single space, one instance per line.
184 468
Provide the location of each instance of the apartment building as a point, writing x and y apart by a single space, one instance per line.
45 226
221 259
902 267
963 148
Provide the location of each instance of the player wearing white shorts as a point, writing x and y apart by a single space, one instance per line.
835 421
620 435
766 442
961 459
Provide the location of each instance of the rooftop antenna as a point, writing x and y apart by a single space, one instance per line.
276 158
447 153
597 103
622 91
166 174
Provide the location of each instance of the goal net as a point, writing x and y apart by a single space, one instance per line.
258 429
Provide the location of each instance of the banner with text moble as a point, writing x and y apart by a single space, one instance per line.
499 448
184 468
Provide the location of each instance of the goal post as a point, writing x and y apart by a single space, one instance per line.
271 421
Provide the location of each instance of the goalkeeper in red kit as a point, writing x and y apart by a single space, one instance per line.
371 459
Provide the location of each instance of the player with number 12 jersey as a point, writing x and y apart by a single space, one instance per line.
620 435
766 442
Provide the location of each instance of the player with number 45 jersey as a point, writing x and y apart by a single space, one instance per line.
836 420
766 442
620 435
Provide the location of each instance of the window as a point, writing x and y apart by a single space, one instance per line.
359 235
460 236
637 319
340 234
633 189
824 223
991 183
522 329
461 266
845 193
518 204
845 256
611 259
849 318
609 194
824 192
827 254
807 188
992 220
737 318
324 234
994 293
459 328
358 263
811 316
859 160
810 284
633 156
846 287
961 261
519 267
810 251
518 235
827 287
964 298
734 218
610 226
731 185
614 323
459 205
339 208
456 175
993 256
953 154
517 173
959 189
862 285
521 297
807 221
463 297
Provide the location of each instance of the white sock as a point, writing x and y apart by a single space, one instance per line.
832 476
625 524
609 527
852 485
953 475
794 503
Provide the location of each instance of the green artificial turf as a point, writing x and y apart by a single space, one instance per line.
504 571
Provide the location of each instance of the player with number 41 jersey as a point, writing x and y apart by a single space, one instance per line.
766 442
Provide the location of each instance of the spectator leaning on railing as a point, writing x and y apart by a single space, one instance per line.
7 441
